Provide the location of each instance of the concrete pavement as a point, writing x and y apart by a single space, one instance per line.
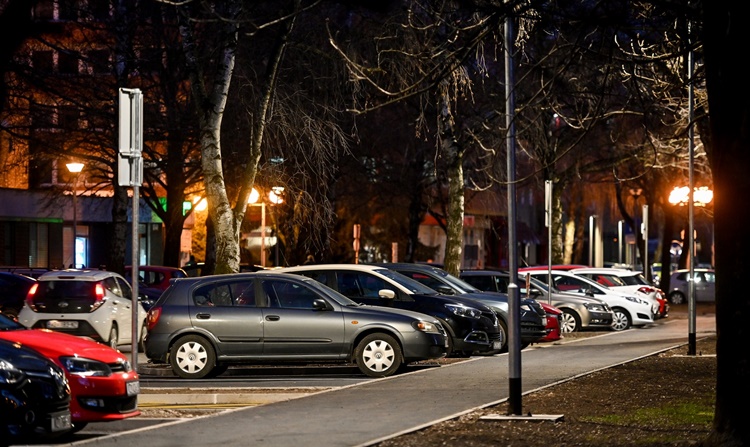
367 413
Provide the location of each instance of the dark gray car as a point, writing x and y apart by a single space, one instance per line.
202 325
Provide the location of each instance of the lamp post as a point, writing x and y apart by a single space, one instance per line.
75 168
274 198
636 193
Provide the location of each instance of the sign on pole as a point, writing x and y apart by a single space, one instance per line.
130 138
130 173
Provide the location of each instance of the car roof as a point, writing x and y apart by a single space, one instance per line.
359 267
483 272
607 271
79 274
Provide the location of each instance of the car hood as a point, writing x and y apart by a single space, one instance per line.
379 310
464 299
56 344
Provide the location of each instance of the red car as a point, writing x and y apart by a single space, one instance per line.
553 322
156 276
103 385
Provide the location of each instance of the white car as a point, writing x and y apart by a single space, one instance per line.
92 303
628 309
625 281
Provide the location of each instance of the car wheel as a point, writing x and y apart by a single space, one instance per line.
378 355
569 322
192 357
620 319
504 330
112 342
677 298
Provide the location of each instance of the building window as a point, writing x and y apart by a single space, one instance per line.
67 63
38 245
98 62
43 61
41 117
99 9
68 10
67 118
44 10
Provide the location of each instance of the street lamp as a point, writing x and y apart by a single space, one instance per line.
75 168
274 198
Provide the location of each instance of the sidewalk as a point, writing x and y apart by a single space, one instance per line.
367 413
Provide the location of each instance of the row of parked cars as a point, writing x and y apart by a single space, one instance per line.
380 317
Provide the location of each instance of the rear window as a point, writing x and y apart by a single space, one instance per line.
65 290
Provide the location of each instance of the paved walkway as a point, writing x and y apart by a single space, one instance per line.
368 413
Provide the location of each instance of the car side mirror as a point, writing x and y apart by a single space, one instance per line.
320 304
386 294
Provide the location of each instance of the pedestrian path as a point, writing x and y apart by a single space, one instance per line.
367 413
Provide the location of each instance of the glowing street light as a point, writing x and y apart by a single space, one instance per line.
75 168
701 196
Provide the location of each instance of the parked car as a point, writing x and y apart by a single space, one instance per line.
35 395
155 276
578 312
629 281
705 285
533 317
561 267
471 325
13 290
628 310
91 303
103 385
554 319
202 325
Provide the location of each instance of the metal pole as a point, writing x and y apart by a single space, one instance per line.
134 271
691 204
263 234
646 270
75 218
548 206
514 301
619 241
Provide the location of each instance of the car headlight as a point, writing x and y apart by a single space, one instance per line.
10 375
85 367
636 300
593 307
426 326
464 311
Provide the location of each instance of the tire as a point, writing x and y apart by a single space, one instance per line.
504 330
112 341
621 319
569 322
378 355
677 298
192 357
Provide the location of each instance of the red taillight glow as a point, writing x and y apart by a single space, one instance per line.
98 295
647 290
30 297
153 317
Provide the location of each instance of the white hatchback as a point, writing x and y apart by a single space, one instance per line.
92 303
625 281
628 310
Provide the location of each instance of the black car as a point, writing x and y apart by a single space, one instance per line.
202 325
13 290
35 395
533 317
472 326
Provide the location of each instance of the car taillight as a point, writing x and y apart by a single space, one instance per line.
30 297
647 290
98 296
152 317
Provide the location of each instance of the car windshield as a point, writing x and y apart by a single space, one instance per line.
412 285
460 284
6 324
635 280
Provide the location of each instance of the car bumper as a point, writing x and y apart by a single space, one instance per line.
99 399
422 346
597 320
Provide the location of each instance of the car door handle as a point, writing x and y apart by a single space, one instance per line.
203 316
273 318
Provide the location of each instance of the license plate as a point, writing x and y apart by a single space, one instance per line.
497 345
57 324
60 421
133 388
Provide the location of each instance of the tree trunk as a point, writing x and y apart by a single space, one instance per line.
729 105
453 152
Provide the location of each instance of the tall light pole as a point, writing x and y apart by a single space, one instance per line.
75 168
274 198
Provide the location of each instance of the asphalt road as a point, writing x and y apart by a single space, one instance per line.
373 410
